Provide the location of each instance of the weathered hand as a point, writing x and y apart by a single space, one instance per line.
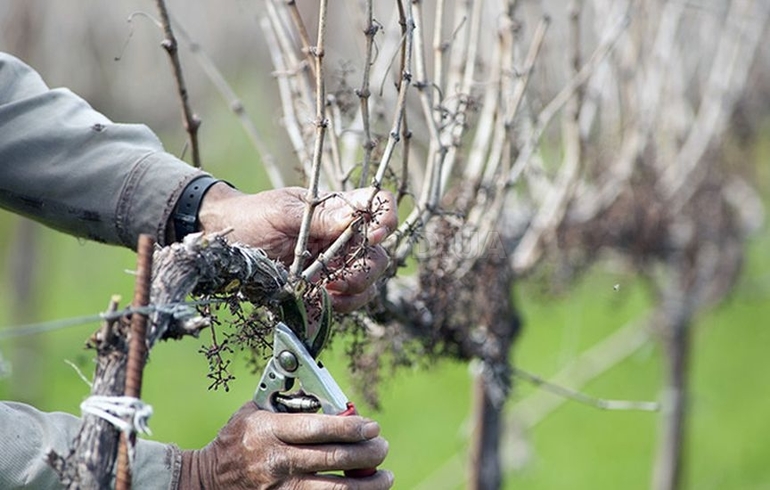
260 450
271 220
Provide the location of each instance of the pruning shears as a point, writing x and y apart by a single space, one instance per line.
294 360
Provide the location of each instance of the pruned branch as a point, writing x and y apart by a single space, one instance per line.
206 265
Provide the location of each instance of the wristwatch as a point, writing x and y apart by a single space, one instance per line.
185 217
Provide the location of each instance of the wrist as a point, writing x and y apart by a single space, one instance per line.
212 214
194 474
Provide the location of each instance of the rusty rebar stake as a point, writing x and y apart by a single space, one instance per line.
137 350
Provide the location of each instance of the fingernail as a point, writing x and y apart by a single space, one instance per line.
336 286
377 235
391 478
370 430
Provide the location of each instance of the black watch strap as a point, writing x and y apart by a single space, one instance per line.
185 217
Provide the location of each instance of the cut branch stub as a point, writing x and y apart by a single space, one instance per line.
206 265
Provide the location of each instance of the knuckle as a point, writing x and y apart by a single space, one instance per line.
278 459
311 425
278 465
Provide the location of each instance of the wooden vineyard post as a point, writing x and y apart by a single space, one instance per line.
137 351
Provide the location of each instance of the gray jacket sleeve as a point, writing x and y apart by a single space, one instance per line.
27 435
69 167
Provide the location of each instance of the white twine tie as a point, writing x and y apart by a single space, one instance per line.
126 413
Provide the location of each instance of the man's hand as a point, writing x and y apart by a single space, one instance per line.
271 220
260 450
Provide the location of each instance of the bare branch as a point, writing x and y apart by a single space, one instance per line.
580 397
311 198
284 79
485 213
304 37
190 120
550 110
551 211
338 177
591 201
297 96
459 96
591 363
739 38
235 104
364 93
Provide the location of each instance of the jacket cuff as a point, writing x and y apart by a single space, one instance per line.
156 465
174 459
149 195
